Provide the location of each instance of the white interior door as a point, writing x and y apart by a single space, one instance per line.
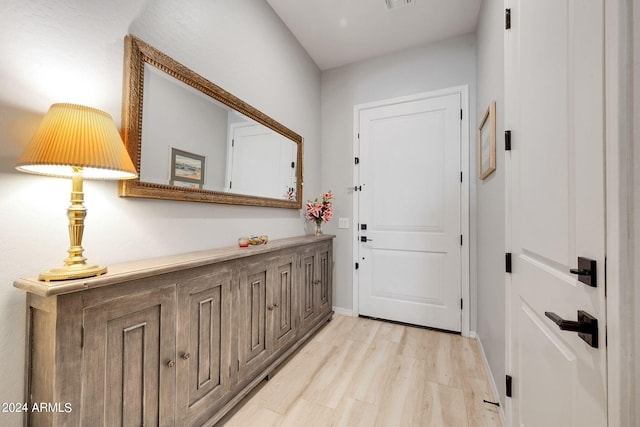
410 205
555 203
260 162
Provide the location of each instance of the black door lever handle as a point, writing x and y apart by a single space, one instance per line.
566 325
586 326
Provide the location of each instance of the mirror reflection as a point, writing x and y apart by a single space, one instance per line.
194 141
191 140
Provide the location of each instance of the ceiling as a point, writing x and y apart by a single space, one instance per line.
338 32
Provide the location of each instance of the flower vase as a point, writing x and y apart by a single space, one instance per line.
318 229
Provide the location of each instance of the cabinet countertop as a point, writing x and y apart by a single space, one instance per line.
119 273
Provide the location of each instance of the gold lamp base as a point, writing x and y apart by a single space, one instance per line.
75 266
76 271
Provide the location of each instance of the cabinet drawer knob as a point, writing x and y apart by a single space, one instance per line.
171 363
186 356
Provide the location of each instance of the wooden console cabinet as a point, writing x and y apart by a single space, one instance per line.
176 341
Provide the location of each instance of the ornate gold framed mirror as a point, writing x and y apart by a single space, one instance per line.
193 141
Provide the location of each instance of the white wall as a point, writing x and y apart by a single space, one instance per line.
72 51
490 197
429 67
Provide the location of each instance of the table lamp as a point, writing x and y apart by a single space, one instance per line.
78 142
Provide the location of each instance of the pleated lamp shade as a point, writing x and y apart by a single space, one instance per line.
73 136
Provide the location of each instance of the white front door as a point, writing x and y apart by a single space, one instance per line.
410 212
555 206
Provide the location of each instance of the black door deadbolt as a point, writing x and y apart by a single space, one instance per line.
586 271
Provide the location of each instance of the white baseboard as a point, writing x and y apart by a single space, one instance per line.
343 311
492 383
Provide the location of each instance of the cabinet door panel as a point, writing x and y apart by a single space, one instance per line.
204 325
253 343
206 339
133 351
324 287
309 306
283 302
129 342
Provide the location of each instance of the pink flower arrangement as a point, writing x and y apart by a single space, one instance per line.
320 211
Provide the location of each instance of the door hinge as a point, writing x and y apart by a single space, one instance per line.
461 240
507 19
358 135
507 140
508 384
230 184
461 114
293 165
460 176
357 265
233 142
82 337
461 303
507 262
357 160
238 364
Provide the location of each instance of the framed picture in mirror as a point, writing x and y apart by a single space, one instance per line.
187 169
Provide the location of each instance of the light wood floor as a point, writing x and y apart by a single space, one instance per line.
362 372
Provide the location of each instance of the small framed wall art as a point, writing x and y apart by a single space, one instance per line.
187 169
487 142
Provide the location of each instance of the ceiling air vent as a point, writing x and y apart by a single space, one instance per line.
394 4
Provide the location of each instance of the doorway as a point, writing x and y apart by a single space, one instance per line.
411 205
